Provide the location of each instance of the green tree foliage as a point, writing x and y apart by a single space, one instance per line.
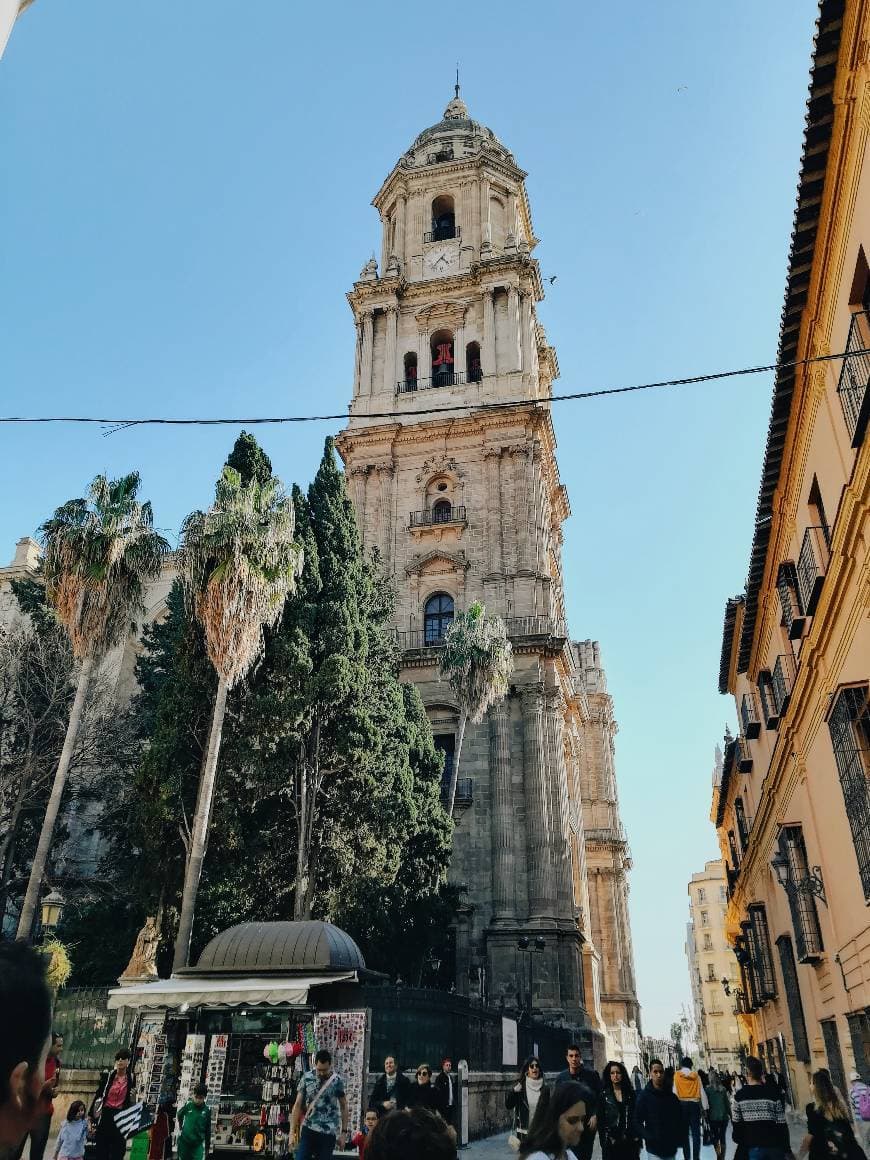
250 460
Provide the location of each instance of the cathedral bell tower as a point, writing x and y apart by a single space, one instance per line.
450 458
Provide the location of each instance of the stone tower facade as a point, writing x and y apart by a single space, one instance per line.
450 456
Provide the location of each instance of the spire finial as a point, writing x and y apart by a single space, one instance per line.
456 87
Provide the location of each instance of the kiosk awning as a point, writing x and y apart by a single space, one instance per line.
212 992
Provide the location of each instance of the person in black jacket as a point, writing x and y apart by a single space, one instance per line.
447 1084
392 1090
424 1093
576 1072
116 1090
658 1116
528 1094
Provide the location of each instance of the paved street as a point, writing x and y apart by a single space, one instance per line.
497 1147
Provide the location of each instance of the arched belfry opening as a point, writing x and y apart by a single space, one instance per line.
473 370
443 218
410 366
443 363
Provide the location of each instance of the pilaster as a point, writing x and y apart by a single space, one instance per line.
542 903
391 375
367 350
503 819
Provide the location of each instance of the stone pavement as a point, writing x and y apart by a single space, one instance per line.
496 1147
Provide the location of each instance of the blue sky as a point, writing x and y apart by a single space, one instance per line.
185 200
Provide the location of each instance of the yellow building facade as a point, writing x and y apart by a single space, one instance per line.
712 969
792 807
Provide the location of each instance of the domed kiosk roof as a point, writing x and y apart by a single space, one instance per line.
257 948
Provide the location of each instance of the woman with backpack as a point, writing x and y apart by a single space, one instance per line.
829 1128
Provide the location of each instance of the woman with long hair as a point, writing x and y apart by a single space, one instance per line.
619 1139
529 1094
718 1113
558 1128
829 1129
424 1093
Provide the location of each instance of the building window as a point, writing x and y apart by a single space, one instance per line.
411 371
705 918
472 362
768 699
437 617
732 849
446 743
443 366
789 600
442 511
835 1055
804 913
859 1034
708 943
849 724
702 895
711 972
443 219
761 953
722 894
742 826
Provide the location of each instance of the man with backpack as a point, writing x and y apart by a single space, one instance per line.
859 1097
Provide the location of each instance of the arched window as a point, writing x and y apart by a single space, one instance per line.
472 362
437 617
410 383
443 219
443 366
442 511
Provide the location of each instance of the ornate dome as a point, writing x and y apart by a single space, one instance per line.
258 948
455 121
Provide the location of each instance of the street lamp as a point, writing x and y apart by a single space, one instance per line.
51 910
811 883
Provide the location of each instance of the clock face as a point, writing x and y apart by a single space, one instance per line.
439 260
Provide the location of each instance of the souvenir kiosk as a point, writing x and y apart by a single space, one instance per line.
246 1021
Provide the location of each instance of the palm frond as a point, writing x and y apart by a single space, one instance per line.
239 563
477 661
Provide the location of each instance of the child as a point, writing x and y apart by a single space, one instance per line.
360 1139
194 1118
73 1134
159 1133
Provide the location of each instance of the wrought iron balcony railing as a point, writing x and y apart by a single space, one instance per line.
854 385
782 682
449 379
517 627
442 234
812 566
750 716
742 756
439 515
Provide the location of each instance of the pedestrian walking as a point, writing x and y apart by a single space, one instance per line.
73 1134
578 1072
114 1093
658 1115
25 1016
693 1099
829 1128
529 1094
424 1093
38 1134
412 1134
320 1115
445 1082
859 1097
758 1116
718 1114
392 1089
616 1127
558 1130
194 1119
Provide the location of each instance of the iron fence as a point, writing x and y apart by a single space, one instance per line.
855 378
516 626
91 1033
782 681
812 566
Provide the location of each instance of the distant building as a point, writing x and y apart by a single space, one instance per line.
792 807
10 10
711 961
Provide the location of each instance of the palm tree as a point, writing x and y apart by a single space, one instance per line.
239 563
477 663
99 555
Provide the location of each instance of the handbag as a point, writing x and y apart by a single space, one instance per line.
707 1136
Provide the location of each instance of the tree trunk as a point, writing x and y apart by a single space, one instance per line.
46 834
454 775
301 891
199 833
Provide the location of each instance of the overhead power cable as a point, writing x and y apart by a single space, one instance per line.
450 408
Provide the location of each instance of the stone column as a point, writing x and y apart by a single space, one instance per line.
358 495
559 791
541 894
537 509
385 530
373 508
424 355
357 357
485 225
513 330
390 374
489 358
459 348
492 456
365 387
521 460
503 820
401 210
526 333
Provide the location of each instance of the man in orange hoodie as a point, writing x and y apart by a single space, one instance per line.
693 1100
